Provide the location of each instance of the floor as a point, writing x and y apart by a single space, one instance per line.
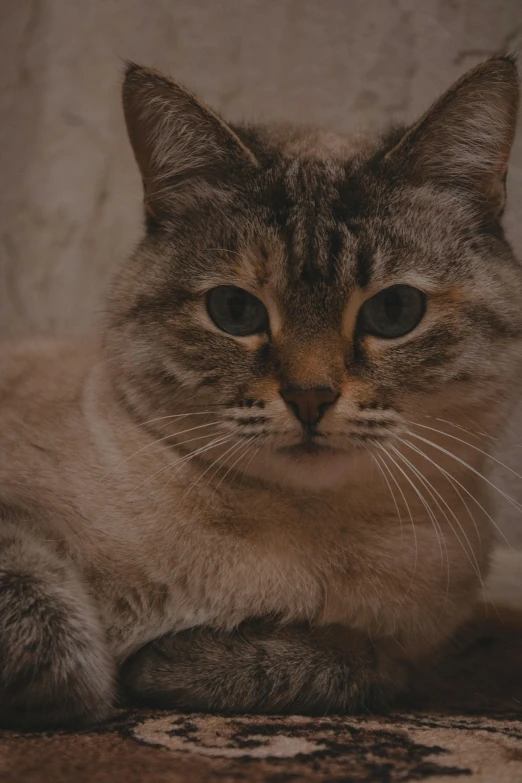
463 721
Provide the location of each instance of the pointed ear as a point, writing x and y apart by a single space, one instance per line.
176 139
465 138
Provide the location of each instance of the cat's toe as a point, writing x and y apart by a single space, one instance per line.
54 670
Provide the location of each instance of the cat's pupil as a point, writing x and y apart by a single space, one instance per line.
393 305
393 312
237 304
236 311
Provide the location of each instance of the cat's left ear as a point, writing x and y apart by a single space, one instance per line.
178 142
464 140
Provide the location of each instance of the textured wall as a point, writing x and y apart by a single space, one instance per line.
70 196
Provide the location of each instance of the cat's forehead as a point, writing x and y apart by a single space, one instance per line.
319 222
319 227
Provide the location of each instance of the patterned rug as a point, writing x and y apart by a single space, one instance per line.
466 723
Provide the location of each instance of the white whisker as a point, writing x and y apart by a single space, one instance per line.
212 464
469 467
254 454
453 480
161 440
385 477
470 445
187 457
242 454
453 483
435 494
163 418
437 528
390 473
480 436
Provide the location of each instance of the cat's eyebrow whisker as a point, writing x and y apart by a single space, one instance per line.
414 530
453 480
511 500
467 443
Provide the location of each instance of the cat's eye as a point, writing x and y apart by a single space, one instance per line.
393 312
236 311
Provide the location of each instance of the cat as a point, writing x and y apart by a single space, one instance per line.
261 489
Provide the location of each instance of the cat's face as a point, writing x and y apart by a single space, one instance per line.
308 305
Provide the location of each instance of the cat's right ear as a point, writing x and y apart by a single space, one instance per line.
178 142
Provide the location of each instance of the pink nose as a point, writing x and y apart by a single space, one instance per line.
309 405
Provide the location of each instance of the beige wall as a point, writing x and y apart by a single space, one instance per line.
70 196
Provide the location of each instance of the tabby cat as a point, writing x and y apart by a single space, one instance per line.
262 488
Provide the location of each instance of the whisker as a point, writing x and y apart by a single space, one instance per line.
186 458
242 454
511 500
212 464
453 482
428 508
452 479
245 470
163 418
431 489
385 477
390 473
471 446
161 440
483 586
441 540
480 436
471 421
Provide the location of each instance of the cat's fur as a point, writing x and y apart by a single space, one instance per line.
339 567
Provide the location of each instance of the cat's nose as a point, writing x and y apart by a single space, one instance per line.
309 405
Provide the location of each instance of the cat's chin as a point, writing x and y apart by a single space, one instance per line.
309 470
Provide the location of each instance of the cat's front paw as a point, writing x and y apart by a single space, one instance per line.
54 669
260 667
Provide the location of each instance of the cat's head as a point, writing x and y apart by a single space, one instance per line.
307 297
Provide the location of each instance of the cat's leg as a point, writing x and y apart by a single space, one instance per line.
54 668
263 667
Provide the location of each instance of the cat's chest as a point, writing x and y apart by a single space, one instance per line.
220 593
253 559
218 577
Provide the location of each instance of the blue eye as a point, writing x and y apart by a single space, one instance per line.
393 312
235 311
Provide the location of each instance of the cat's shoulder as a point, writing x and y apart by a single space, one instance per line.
40 366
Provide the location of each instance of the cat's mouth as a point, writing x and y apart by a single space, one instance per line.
313 444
